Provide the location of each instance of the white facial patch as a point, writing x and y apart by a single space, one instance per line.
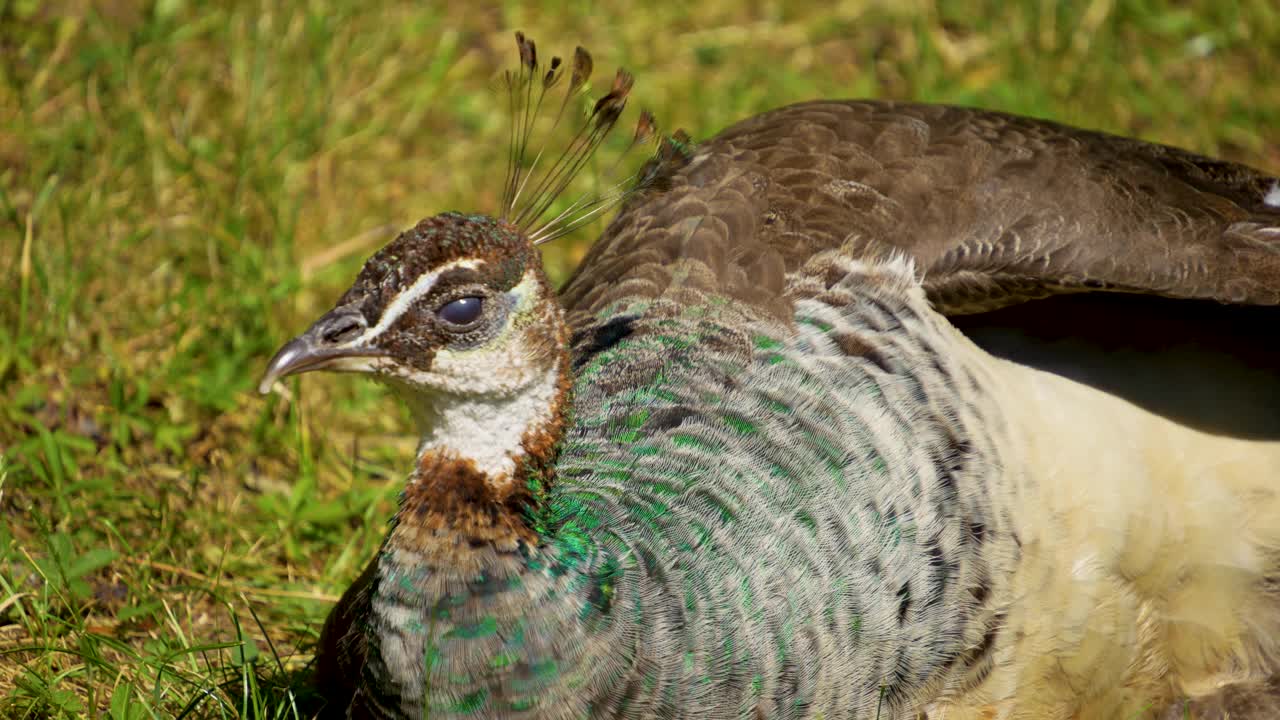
1273 195
419 288
487 428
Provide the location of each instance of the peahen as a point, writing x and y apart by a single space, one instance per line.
745 464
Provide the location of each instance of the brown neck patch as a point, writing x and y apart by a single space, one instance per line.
452 510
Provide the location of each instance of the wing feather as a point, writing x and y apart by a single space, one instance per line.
994 208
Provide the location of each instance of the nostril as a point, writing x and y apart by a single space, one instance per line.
342 328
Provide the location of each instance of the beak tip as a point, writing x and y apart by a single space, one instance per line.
283 364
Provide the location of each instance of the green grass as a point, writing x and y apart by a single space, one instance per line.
182 188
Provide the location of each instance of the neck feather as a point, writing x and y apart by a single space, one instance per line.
470 488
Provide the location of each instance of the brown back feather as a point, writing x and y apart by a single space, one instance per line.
994 208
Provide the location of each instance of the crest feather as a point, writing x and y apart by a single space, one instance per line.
532 187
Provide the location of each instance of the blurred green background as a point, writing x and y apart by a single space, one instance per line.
185 185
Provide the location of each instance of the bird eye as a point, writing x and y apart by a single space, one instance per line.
461 312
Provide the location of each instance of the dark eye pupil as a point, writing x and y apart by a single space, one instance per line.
462 311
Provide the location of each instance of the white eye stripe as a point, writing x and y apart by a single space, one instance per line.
420 287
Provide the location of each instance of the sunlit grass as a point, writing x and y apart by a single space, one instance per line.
182 187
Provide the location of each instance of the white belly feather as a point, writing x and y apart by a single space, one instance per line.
1149 558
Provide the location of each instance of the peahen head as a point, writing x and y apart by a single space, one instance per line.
458 316
458 305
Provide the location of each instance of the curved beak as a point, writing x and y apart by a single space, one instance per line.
332 343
